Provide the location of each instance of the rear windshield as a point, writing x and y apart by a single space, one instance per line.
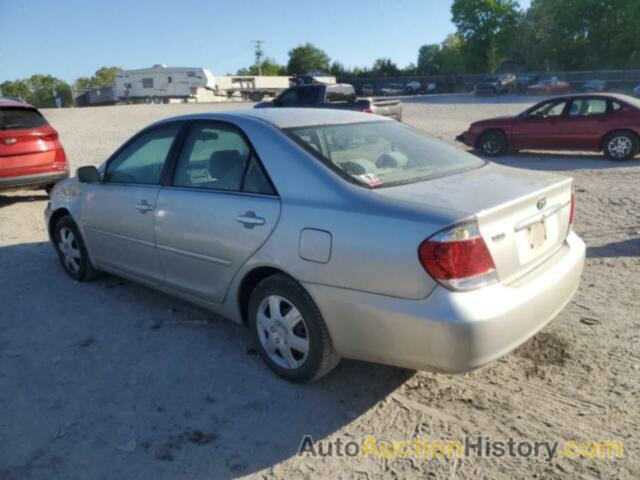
379 154
17 118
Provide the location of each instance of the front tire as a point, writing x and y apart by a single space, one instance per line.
493 143
71 250
621 146
289 331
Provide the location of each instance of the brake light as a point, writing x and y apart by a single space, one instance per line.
572 209
48 136
458 258
367 110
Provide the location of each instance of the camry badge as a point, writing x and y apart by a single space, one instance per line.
541 203
9 141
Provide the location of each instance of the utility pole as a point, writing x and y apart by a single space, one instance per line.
259 55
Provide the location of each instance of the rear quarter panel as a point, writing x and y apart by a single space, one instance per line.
374 241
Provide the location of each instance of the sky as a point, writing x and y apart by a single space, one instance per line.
73 38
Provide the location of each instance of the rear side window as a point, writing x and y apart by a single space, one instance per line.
17 118
217 157
142 161
586 107
341 93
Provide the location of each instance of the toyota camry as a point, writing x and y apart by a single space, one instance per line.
331 234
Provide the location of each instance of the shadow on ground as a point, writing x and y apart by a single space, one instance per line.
110 379
7 199
624 248
560 161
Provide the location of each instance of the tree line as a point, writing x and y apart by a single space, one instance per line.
42 90
549 35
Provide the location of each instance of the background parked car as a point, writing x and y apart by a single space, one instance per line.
549 86
523 81
31 156
338 96
413 86
367 89
594 86
599 122
495 85
636 91
392 89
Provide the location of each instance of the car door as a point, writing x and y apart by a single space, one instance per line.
539 127
118 213
585 122
217 210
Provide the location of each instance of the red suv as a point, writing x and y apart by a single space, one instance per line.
31 156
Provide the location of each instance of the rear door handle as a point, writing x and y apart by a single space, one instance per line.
144 206
250 220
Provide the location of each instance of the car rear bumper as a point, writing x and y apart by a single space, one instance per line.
451 331
32 181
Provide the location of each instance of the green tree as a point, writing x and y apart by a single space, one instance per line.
450 58
305 58
269 68
427 59
488 28
103 77
583 34
17 88
39 90
385 67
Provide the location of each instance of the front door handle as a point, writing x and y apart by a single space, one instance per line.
144 206
250 220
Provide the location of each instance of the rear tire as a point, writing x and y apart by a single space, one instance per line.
72 252
493 143
289 331
620 146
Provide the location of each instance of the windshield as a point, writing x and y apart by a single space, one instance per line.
379 154
14 118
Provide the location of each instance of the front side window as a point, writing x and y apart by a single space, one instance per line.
549 109
142 161
217 157
379 154
586 107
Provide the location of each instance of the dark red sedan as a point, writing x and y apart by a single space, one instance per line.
31 155
600 122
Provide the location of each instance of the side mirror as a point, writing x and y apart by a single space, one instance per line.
88 174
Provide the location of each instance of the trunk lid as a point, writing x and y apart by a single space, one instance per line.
26 139
522 215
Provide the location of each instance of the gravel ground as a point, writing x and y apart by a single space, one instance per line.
112 380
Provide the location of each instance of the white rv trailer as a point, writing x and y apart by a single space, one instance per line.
161 83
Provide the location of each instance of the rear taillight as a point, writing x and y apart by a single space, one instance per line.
572 209
458 258
48 137
367 110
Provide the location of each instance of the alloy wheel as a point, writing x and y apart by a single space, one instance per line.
491 145
70 250
282 332
620 146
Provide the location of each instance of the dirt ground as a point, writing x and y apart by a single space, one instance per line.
112 380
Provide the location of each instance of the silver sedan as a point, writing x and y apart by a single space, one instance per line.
331 234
